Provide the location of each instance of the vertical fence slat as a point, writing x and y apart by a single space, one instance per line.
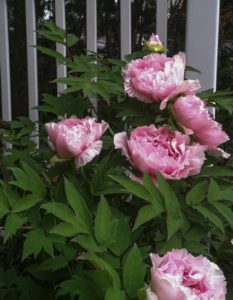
60 17
5 62
202 40
91 13
126 24
32 59
161 20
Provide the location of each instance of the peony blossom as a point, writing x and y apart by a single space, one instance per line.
180 276
150 149
158 78
191 113
76 138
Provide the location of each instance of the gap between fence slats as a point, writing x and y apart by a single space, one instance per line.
60 18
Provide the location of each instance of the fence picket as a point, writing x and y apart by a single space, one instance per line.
5 62
202 40
161 20
126 25
32 59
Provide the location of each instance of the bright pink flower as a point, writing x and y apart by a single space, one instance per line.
180 276
76 138
158 78
191 112
150 149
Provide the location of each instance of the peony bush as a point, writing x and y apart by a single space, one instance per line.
129 193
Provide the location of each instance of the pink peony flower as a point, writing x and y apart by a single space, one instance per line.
191 112
158 78
180 276
76 138
150 149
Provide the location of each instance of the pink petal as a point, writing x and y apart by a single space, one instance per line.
187 87
88 154
120 142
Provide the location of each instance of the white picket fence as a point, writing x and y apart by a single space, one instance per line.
202 27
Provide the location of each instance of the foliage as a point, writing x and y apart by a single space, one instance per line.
87 233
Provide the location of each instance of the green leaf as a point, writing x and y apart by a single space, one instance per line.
225 211
216 172
11 195
210 216
50 52
103 222
145 214
101 264
156 198
114 294
78 205
25 203
213 191
226 195
37 186
133 272
197 193
52 264
61 211
35 241
120 242
175 242
175 218
67 229
88 243
12 224
71 40
133 187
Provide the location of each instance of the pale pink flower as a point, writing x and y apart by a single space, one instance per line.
154 40
76 138
151 150
179 275
191 112
158 78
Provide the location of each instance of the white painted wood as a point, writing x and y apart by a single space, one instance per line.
161 20
202 40
126 27
91 13
5 62
32 59
60 18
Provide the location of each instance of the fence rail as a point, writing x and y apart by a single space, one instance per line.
201 42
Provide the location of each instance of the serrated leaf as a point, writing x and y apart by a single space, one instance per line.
145 214
133 272
210 216
197 193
